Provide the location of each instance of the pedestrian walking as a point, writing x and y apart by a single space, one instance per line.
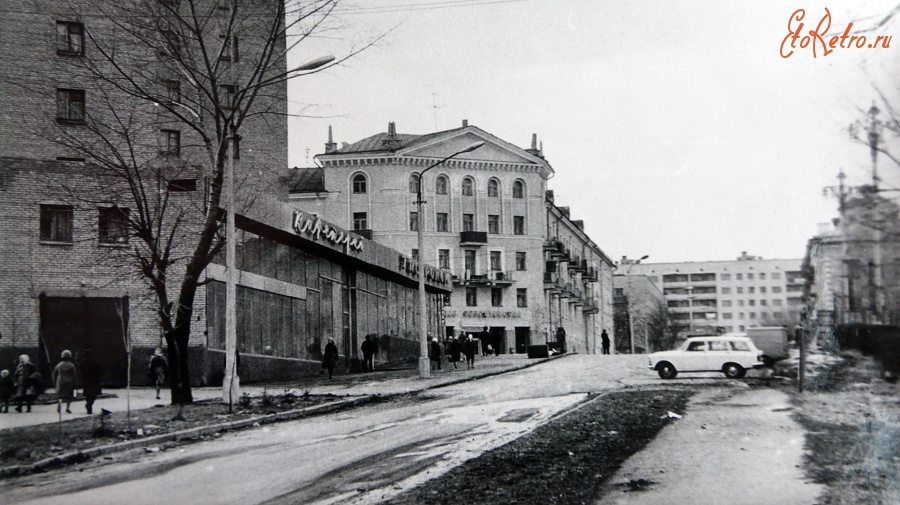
26 389
91 375
604 341
7 389
470 347
330 358
64 381
434 353
368 349
157 370
496 342
485 338
454 350
561 338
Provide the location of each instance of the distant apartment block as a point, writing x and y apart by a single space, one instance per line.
727 295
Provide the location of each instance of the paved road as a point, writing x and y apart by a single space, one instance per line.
358 456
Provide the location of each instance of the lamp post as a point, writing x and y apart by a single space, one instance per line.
630 317
231 382
424 362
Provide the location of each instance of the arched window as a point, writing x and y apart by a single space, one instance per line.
413 183
468 187
518 189
359 184
493 187
440 185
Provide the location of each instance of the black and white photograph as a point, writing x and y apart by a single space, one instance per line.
402 252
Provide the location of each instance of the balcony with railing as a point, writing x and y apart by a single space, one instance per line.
498 278
576 265
471 238
591 306
552 282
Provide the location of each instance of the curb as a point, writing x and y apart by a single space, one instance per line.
193 433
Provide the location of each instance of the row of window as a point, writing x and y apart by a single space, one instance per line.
750 290
496 259
360 185
442 222
776 302
496 297
56 224
752 315
707 277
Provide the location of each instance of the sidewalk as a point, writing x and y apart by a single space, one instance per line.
378 383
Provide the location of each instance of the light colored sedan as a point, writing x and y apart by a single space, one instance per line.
730 355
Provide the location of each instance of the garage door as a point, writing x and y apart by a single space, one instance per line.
78 323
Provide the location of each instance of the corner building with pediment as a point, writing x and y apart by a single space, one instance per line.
485 220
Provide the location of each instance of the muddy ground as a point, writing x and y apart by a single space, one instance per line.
562 462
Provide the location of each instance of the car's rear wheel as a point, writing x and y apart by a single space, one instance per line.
666 370
733 370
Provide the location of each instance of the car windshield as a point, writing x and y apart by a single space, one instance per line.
739 345
696 346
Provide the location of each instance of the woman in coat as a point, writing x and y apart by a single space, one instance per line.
157 370
91 374
454 349
329 359
64 381
25 390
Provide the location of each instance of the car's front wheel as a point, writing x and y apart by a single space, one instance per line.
666 370
733 370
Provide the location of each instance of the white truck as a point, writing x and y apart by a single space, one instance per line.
772 341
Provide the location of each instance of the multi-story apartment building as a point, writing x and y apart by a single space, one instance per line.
729 295
69 276
487 220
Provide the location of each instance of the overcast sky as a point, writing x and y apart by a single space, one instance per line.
675 127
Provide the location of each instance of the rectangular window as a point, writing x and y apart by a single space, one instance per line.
778 315
414 254
725 277
360 220
69 38
468 222
69 105
182 185
726 303
726 291
493 224
469 256
173 90
762 289
226 96
739 290
776 302
471 297
521 297
113 226
753 315
441 222
519 225
229 48
762 302
496 297
762 276
726 315
776 276
444 258
56 223
751 290
171 143
738 277
776 289
413 221
520 261
749 276
751 303
740 303
495 261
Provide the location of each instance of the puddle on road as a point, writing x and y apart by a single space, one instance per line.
518 416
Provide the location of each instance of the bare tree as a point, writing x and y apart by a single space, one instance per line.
173 86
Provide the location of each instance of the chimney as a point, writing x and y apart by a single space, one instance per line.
465 123
579 223
392 129
541 150
534 146
330 146
391 141
549 195
564 211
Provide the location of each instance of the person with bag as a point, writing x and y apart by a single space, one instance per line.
454 350
330 358
26 390
157 370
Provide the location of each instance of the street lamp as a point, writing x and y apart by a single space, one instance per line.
231 382
635 262
630 317
424 362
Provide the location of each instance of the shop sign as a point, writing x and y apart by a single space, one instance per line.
432 274
481 314
317 230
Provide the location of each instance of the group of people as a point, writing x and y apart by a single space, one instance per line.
27 384
464 345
